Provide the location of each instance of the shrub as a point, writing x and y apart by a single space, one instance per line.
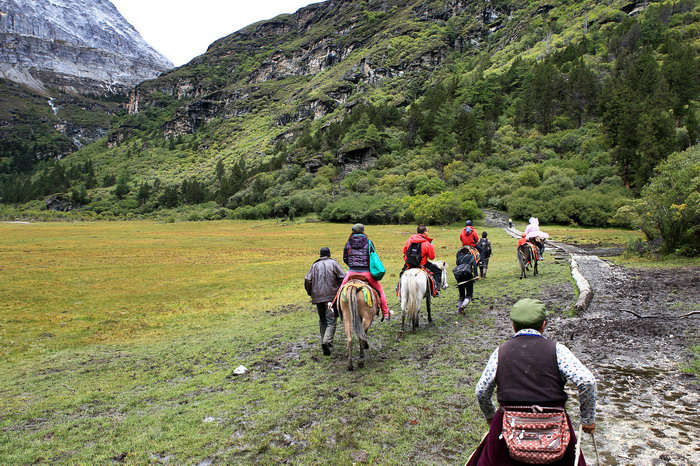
366 209
670 205
441 209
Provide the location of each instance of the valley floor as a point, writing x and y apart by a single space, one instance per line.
120 343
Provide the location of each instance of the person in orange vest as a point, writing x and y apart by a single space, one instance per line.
468 236
522 240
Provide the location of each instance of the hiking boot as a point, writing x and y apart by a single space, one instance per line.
388 315
326 350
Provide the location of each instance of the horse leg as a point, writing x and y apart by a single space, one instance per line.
404 303
427 305
348 336
535 269
361 362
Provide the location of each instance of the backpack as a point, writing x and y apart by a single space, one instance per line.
414 255
465 269
485 247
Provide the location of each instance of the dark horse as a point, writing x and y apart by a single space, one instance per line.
527 254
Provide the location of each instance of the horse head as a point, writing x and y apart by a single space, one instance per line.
442 265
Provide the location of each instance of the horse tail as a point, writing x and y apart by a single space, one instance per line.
414 296
354 315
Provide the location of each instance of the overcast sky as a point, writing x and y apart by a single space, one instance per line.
183 29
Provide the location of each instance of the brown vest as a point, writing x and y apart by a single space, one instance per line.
528 372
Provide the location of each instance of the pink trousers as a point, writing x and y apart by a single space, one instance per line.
374 284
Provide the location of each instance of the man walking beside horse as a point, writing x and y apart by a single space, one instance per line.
322 282
530 372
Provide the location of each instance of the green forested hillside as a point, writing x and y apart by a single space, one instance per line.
397 111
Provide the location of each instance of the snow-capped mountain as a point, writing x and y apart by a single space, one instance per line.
75 45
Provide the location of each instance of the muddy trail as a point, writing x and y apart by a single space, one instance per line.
633 338
648 408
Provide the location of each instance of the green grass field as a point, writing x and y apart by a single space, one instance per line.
119 342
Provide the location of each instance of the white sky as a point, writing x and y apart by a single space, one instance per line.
183 29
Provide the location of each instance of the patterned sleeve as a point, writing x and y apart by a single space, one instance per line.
486 385
584 380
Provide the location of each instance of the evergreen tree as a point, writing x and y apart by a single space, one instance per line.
122 187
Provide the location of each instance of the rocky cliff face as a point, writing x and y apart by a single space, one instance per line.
73 45
354 44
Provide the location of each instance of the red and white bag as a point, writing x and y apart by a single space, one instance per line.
535 434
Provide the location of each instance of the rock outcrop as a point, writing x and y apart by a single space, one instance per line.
74 46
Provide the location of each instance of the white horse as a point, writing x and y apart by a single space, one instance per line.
415 287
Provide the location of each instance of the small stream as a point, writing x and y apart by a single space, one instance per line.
53 106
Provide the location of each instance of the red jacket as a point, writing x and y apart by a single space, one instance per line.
522 241
427 251
471 239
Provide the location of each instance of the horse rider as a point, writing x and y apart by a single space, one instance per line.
417 251
322 282
484 247
535 235
468 235
530 370
522 240
356 256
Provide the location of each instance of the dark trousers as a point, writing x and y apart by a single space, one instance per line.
466 291
326 320
437 273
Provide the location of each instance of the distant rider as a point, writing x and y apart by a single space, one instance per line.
468 235
356 256
322 282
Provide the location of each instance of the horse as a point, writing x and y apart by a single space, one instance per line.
527 255
415 287
359 303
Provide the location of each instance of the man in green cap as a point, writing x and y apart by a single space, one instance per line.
530 370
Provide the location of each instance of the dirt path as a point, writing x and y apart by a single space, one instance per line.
648 409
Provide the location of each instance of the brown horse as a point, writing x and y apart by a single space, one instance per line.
527 254
359 303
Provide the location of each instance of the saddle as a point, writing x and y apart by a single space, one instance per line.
356 283
434 288
473 251
534 252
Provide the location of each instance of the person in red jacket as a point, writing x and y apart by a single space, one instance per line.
468 236
420 242
522 240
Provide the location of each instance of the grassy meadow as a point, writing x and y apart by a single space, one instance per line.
119 342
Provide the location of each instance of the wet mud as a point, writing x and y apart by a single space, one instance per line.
633 340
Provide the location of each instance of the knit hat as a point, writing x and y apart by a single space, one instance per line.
528 313
325 252
358 228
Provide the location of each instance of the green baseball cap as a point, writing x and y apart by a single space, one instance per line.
528 313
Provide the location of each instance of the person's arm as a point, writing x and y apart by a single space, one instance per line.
308 285
339 272
430 251
486 386
572 369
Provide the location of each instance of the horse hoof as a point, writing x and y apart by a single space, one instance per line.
350 368
361 364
